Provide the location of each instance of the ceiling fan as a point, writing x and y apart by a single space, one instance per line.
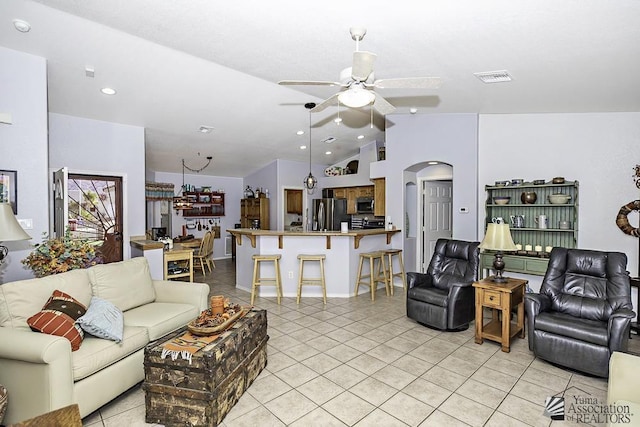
357 82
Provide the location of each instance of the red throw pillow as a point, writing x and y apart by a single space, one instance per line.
58 317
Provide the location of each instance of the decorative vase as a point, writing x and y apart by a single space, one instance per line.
528 197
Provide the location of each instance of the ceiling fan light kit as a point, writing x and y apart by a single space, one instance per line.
358 82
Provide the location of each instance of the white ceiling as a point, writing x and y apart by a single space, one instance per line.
179 64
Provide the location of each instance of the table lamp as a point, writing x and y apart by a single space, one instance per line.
10 229
498 238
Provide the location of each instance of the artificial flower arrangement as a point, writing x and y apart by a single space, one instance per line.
61 254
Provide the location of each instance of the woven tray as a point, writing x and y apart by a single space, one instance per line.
210 330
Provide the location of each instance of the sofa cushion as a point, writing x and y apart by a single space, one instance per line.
97 353
58 317
127 284
21 299
103 320
160 318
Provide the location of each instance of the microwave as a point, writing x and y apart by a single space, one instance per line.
364 205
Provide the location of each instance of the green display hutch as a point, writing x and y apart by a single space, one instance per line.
532 261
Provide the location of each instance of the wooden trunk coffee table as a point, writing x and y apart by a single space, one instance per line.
201 393
501 298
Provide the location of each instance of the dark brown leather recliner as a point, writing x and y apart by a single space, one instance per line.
444 297
583 311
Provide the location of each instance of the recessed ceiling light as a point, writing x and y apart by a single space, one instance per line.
22 26
360 136
303 147
413 110
108 91
327 152
338 120
300 132
205 129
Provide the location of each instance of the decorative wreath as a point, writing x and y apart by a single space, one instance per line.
623 222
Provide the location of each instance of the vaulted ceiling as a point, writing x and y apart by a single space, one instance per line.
179 64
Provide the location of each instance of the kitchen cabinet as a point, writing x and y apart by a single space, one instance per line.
294 201
530 235
379 197
254 209
351 194
204 204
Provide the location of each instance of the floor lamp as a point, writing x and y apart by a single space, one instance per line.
10 229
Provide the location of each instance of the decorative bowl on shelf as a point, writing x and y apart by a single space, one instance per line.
501 200
559 199
538 181
501 183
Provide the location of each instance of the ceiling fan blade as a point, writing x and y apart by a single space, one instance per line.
409 83
382 106
326 103
308 83
362 65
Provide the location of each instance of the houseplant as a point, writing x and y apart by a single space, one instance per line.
61 254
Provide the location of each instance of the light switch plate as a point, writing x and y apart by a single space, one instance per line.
26 224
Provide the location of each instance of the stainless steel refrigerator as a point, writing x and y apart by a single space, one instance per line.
329 213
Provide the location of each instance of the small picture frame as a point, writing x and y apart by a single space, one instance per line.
9 189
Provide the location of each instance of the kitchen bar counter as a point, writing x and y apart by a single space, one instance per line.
356 234
342 251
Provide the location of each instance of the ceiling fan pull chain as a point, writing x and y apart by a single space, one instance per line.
371 110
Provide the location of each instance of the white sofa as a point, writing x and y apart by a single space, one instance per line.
40 371
623 389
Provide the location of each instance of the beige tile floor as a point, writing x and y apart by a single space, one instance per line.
359 363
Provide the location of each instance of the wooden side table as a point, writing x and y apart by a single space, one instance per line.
500 297
180 255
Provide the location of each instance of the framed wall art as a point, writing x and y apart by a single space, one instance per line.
9 189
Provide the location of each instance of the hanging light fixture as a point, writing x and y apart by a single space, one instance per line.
182 202
310 181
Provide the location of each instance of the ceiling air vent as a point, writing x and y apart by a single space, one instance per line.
494 76
328 140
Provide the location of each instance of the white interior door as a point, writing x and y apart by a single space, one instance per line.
437 214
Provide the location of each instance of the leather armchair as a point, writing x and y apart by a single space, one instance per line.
583 311
444 297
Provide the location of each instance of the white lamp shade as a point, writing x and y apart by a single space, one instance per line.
498 238
10 229
356 97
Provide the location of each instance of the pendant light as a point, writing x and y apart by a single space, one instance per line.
182 202
310 181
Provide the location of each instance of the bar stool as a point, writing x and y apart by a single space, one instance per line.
312 281
259 281
389 254
375 275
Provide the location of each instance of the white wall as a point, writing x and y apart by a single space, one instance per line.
597 149
23 148
233 191
92 146
450 138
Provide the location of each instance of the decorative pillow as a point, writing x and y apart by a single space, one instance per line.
103 320
58 317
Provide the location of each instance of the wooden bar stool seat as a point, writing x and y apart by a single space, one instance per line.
316 281
377 272
258 280
389 254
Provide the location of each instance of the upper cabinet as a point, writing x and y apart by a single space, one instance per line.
204 204
294 201
540 217
352 194
379 197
